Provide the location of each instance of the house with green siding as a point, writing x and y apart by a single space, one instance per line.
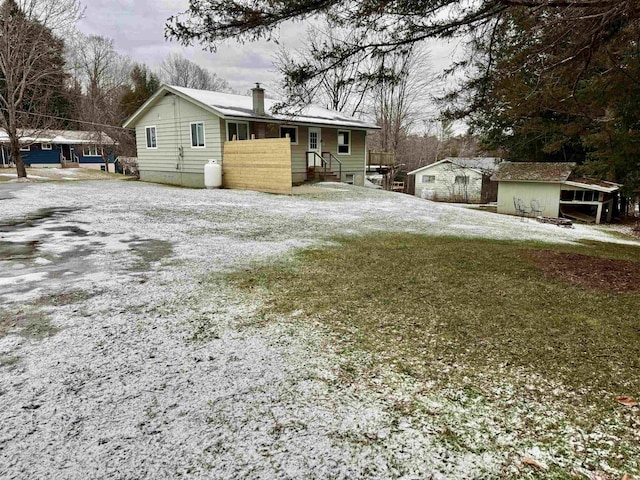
178 130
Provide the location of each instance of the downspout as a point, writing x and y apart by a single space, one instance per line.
178 132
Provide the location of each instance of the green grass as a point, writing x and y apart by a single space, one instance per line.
27 321
472 316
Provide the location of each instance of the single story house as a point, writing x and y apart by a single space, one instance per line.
58 148
178 130
552 190
465 180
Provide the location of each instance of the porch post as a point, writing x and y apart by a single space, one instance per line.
599 214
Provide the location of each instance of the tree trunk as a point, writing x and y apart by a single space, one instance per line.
14 150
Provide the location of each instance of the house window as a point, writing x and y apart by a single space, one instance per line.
197 135
239 129
25 148
566 195
292 132
152 139
428 178
344 142
46 146
461 180
90 151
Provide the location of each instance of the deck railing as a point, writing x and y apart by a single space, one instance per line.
378 157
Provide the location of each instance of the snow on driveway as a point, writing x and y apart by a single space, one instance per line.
150 376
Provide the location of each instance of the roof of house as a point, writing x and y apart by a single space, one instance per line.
551 172
60 137
231 106
483 165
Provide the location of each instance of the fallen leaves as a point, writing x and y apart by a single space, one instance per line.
627 401
535 464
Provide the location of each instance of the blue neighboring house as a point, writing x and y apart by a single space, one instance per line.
58 148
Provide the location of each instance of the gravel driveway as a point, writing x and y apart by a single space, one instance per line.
116 362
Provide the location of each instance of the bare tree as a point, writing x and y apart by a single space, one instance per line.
31 69
337 85
182 72
103 76
60 16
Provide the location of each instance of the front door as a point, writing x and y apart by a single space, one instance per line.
66 153
314 145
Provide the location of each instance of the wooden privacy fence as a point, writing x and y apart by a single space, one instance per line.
263 165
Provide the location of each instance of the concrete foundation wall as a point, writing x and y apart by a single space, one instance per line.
192 180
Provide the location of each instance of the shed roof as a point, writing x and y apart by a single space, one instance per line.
552 172
231 106
484 165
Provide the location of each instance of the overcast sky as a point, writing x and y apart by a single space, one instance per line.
137 27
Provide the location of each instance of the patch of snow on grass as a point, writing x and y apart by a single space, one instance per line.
154 376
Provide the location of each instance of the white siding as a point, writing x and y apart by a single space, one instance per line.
547 194
172 117
445 188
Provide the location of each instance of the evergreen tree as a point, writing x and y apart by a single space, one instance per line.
145 83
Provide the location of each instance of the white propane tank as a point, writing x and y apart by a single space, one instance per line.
212 174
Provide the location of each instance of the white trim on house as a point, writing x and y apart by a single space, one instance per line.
589 186
290 127
204 136
46 146
348 144
25 148
151 141
90 151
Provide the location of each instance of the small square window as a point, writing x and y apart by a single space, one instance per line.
25 148
197 135
292 132
344 142
428 178
152 139
46 146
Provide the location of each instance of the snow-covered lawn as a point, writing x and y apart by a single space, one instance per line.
149 371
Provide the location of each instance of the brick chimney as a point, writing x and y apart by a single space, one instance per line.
258 100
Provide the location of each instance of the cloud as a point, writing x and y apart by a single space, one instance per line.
137 28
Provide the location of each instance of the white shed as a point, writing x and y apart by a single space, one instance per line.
552 190
455 179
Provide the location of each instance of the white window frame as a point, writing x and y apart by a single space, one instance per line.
348 144
25 148
204 135
46 146
425 179
146 137
290 127
238 122
92 151
466 180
